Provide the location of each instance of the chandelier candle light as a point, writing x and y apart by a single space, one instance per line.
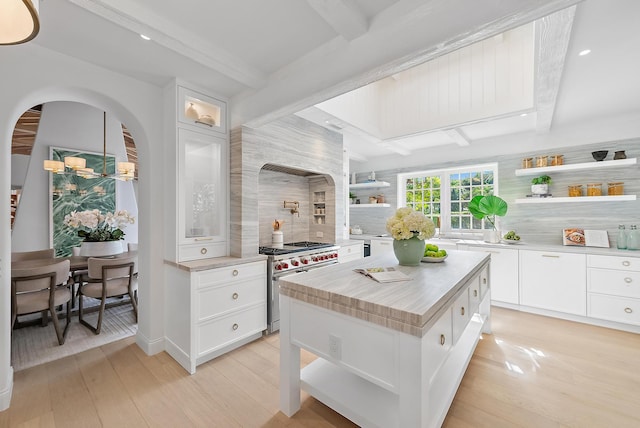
409 230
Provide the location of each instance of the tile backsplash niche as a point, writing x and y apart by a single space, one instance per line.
538 223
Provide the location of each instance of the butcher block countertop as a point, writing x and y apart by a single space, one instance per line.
407 306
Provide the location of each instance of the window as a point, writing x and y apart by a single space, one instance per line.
443 195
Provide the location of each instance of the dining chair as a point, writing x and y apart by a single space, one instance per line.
41 289
49 253
112 277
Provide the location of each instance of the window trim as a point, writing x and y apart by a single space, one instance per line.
445 191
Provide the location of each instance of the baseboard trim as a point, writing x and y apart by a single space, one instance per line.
148 346
5 394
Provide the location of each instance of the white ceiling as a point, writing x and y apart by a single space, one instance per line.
277 57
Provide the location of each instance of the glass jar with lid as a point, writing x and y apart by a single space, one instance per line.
557 160
615 189
541 161
527 163
594 189
575 190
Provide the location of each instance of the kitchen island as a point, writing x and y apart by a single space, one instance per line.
390 355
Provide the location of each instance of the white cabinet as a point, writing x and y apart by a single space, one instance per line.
348 253
196 178
202 195
212 311
613 284
381 246
504 273
554 281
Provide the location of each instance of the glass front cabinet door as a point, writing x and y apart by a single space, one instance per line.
202 195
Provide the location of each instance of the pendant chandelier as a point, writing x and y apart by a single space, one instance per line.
19 21
125 171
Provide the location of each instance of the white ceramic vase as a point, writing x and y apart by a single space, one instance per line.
101 249
539 189
492 236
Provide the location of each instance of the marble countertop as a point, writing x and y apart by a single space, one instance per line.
408 306
213 263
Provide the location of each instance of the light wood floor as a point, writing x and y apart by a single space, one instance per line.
532 371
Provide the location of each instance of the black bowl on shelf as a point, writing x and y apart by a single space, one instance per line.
599 155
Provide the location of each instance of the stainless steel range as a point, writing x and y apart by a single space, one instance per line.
292 258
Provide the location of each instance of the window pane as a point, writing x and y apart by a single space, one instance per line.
455 194
465 222
455 222
476 223
410 197
465 194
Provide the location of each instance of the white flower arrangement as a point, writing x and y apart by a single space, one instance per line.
97 227
407 223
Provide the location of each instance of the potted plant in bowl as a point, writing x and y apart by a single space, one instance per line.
352 197
487 207
540 185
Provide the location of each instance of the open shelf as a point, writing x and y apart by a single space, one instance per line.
576 167
369 205
369 185
576 199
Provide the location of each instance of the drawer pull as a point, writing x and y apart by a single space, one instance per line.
235 272
484 281
462 311
203 239
235 326
551 256
475 293
628 280
626 263
442 339
203 250
235 296
628 310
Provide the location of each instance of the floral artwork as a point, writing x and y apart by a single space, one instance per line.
93 226
407 223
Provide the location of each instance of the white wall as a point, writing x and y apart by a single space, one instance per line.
34 75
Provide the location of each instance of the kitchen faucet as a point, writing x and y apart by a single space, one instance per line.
294 205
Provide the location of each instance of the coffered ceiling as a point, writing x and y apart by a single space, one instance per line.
278 57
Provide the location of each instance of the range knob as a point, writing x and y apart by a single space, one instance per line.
314 258
294 262
278 266
305 261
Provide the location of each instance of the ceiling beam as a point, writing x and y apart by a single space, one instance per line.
141 20
457 136
344 16
552 34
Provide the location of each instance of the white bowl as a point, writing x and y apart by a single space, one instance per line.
434 259
510 241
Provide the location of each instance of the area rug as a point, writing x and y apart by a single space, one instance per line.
31 346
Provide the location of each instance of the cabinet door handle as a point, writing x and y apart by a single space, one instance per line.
235 296
462 310
628 280
484 280
203 239
442 339
235 326
235 272
203 250
475 293
626 263
628 310
551 256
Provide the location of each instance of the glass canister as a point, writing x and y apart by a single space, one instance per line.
541 161
594 189
633 239
557 160
621 242
615 189
527 163
575 190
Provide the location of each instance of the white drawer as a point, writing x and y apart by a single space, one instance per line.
198 251
437 342
612 308
616 282
475 291
460 315
215 300
229 274
614 262
224 331
484 281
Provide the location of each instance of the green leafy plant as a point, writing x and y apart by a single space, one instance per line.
487 207
352 195
543 179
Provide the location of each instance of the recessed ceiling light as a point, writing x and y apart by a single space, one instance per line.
585 52
145 37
